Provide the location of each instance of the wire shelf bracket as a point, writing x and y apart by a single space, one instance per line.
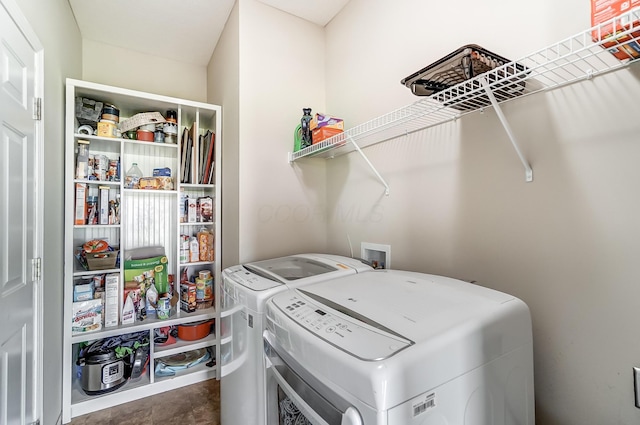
384 183
507 128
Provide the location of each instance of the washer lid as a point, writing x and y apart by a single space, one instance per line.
408 308
295 269
290 269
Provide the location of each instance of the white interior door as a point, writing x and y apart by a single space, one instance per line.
20 242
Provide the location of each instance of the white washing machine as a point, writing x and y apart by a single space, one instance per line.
245 290
398 348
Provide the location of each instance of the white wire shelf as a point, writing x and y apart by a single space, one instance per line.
570 60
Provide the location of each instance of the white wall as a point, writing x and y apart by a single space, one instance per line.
55 26
223 83
115 66
282 65
459 206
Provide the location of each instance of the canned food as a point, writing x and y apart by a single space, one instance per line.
204 288
164 308
199 289
144 135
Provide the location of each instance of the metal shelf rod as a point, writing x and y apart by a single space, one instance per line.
386 186
507 128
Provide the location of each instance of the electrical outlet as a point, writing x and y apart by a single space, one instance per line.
636 385
378 255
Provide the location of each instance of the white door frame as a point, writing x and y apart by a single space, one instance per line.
16 14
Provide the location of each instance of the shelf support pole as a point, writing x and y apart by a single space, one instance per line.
386 186
527 168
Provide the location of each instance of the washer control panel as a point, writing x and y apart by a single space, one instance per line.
346 333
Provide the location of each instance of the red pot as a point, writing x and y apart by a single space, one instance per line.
195 330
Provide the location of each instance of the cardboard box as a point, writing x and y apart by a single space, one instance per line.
192 210
205 208
321 133
111 305
103 205
322 120
82 160
188 301
86 316
148 271
83 291
622 47
81 204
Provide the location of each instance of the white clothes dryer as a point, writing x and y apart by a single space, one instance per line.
398 348
245 290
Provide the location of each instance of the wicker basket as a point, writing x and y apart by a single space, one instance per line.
200 305
140 119
100 260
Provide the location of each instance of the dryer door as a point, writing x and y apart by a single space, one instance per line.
293 400
233 328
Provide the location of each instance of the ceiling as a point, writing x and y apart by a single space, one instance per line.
188 33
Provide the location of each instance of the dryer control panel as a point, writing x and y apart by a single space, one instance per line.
350 334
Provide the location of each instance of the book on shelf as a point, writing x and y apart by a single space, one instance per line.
208 158
183 155
197 156
187 157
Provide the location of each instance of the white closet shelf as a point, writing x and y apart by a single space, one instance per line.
573 59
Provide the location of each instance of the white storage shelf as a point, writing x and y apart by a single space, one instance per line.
142 387
573 59
147 218
180 345
177 317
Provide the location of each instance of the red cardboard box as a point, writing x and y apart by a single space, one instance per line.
622 47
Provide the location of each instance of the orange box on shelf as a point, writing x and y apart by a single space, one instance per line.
622 47
322 133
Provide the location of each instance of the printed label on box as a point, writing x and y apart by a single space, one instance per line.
606 10
111 306
103 210
86 316
81 204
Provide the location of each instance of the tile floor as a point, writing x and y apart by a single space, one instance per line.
196 404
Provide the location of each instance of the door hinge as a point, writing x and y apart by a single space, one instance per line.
36 266
37 108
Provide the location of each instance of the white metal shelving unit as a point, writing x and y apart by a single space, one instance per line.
148 218
570 60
